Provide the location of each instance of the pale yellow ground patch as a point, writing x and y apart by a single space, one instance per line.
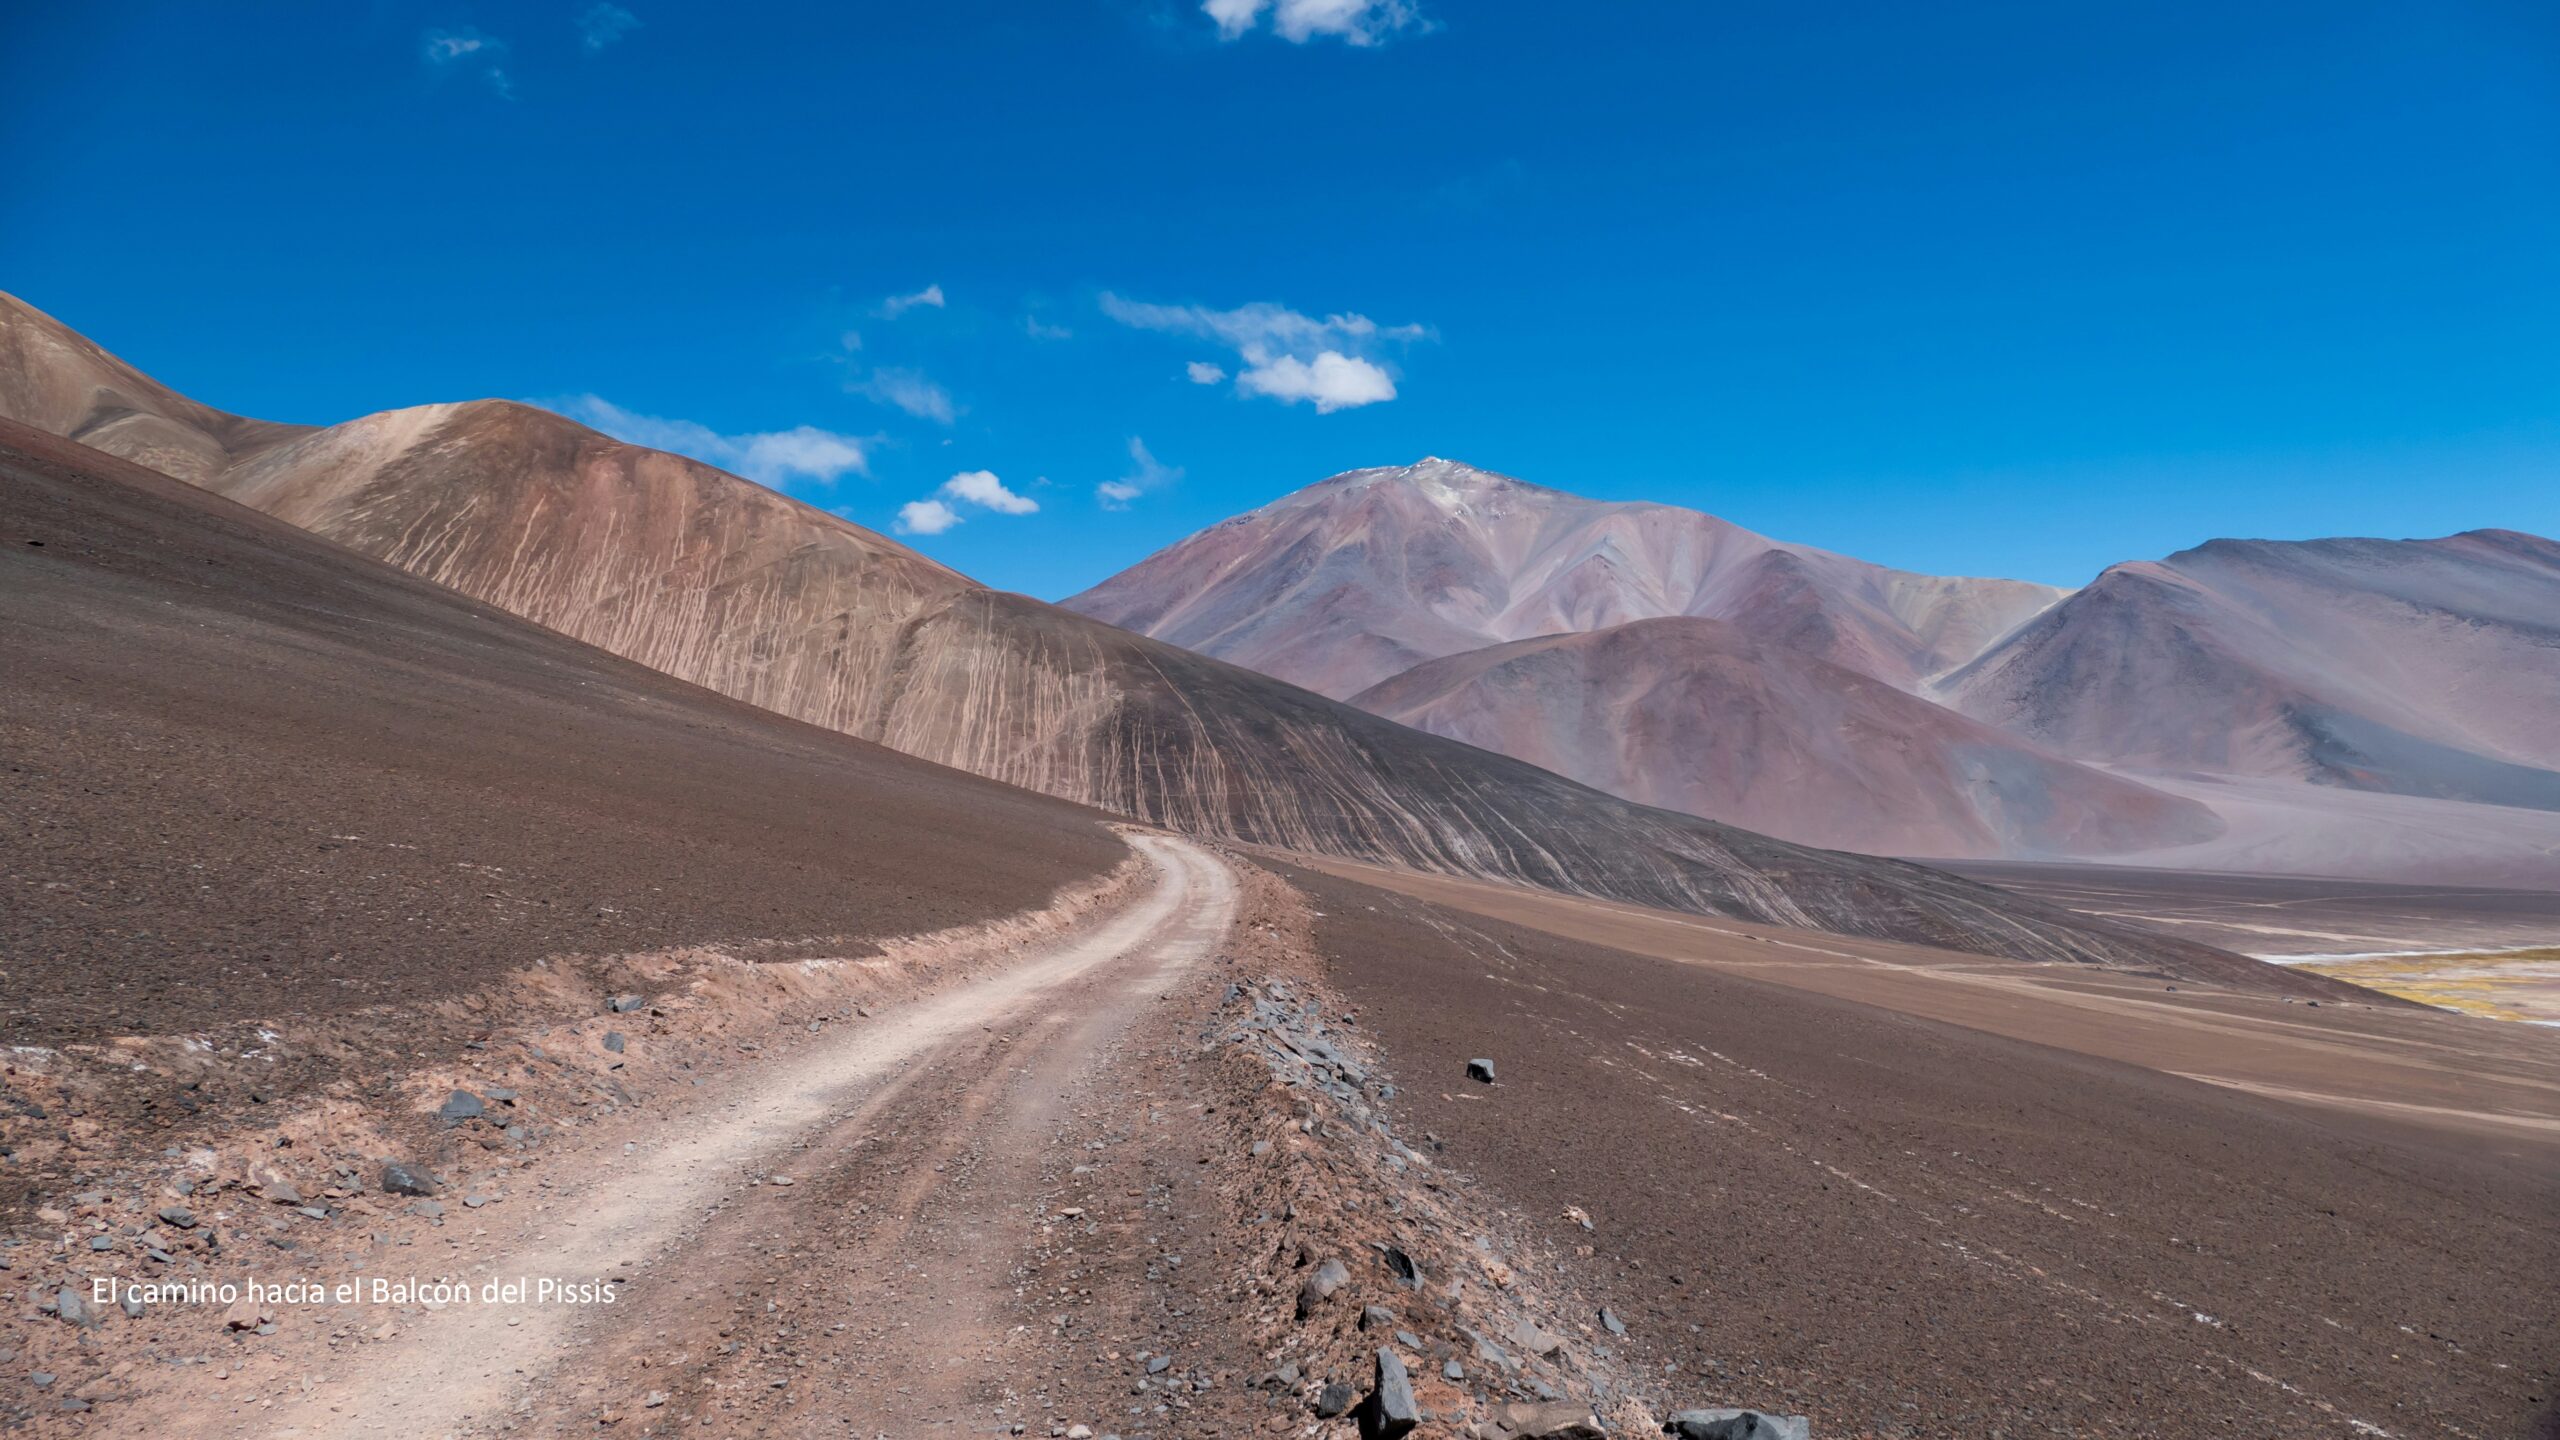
2501 985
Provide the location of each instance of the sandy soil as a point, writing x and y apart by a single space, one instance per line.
1915 1198
2291 915
2497 1082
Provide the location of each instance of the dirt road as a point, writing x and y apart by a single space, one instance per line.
688 1224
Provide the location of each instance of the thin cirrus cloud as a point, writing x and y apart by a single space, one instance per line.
1282 354
1354 22
930 297
603 24
467 51
1146 473
910 391
769 457
975 489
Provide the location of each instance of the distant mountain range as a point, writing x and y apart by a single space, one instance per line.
721 582
2361 707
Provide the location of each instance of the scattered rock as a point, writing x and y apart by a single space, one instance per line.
623 1004
177 1217
244 1314
1159 1364
1529 1337
1330 1276
1334 1399
1610 1322
74 1307
399 1179
1480 1071
613 1041
1376 1317
1547 1420
1736 1425
460 1106
1389 1412
1452 1370
1401 1266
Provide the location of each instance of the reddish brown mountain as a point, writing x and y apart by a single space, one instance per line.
712 579
1365 575
1695 715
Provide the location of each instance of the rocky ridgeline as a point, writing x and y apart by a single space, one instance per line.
1393 1300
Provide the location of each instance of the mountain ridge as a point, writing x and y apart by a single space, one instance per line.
712 579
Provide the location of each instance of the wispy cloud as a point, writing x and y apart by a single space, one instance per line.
897 305
603 24
1354 22
910 391
767 457
976 489
1146 473
468 51
1038 329
1286 356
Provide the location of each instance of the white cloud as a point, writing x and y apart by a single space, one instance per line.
910 391
766 457
603 24
1234 17
1283 355
1033 326
982 488
469 50
897 305
1146 473
1333 380
926 517
1354 22
1261 324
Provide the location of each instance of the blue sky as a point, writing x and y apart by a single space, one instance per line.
1975 288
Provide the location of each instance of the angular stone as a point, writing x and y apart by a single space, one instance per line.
1534 1340
1736 1425
1547 1420
624 1004
71 1305
1480 1071
1334 1399
399 1179
1377 1317
1330 1276
1610 1322
461 1105
1389 1412
613 1041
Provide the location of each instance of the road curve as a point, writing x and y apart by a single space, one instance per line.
672 1218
